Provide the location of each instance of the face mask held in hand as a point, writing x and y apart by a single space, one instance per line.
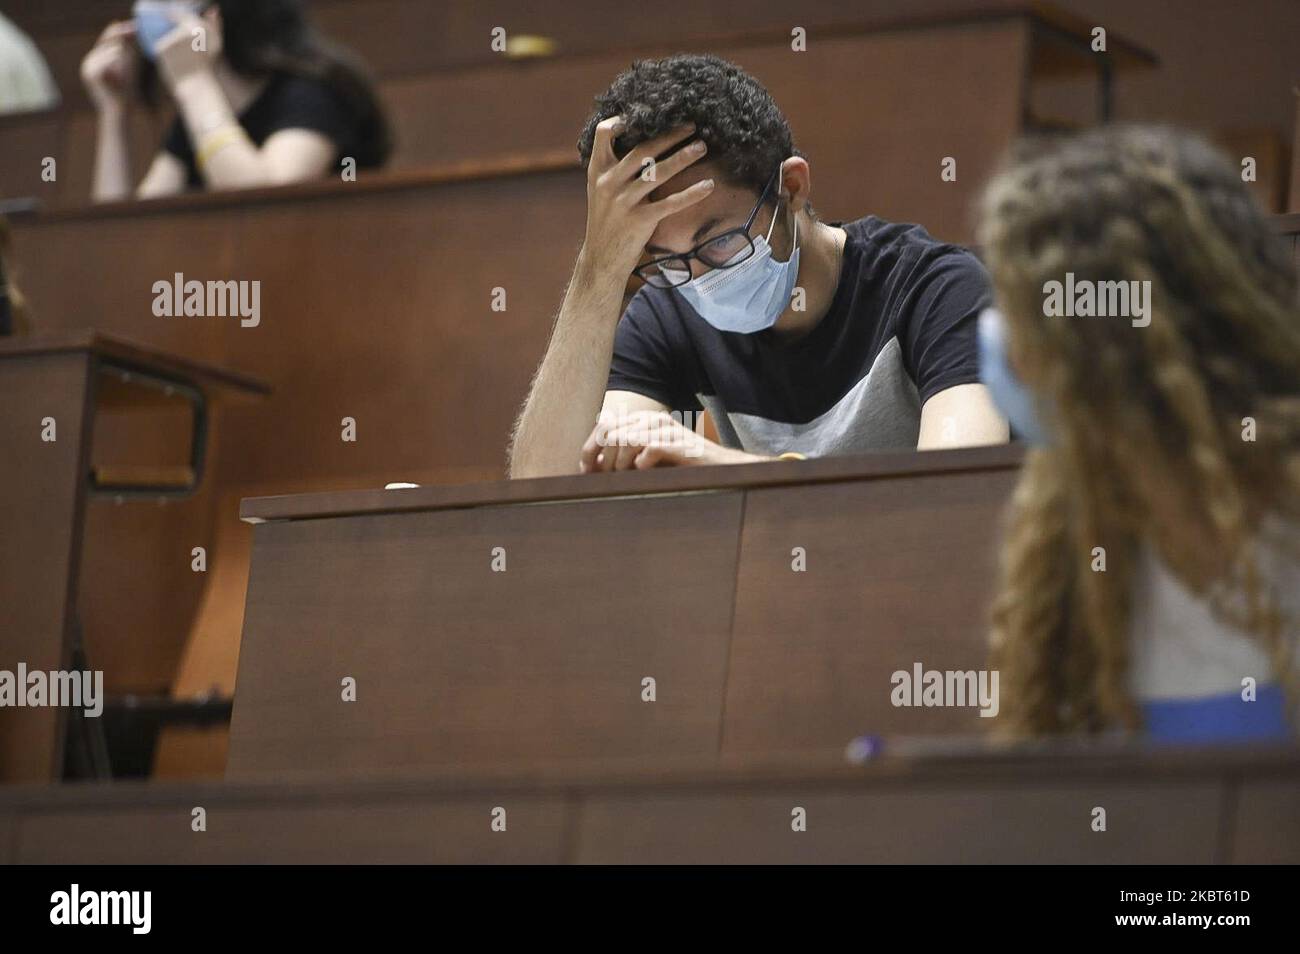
154 19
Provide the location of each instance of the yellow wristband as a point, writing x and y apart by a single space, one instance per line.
215 141
791 455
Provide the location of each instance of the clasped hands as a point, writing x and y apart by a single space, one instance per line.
639 440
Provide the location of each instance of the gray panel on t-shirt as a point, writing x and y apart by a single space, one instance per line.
881 412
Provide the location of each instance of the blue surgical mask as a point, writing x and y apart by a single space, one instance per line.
1014 400
748 297
154 19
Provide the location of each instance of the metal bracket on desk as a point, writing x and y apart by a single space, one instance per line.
198 439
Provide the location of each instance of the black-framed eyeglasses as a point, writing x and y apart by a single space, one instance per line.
725 250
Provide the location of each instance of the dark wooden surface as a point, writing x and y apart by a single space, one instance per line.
669 480
900 571
219 382
373 307
976 806
456 663
42 500
43 514
684 576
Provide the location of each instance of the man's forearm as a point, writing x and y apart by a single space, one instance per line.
569 386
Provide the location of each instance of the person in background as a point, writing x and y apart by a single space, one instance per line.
1151 569
261 99
25 81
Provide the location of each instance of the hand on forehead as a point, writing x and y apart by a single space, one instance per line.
728 206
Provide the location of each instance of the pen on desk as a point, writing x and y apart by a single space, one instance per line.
864 748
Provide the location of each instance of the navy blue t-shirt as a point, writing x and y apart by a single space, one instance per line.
900 328
287 102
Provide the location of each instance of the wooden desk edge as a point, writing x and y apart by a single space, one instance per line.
678 480
125 353
1082 765
476 170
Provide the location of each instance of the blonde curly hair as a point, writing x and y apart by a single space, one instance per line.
1148 423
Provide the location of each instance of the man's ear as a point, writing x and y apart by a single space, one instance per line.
796 182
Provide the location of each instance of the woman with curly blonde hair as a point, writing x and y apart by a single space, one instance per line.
1151 567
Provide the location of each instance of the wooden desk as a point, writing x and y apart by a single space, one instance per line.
683 576
1226 806
43 491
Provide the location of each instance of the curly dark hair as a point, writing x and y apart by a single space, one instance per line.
747 135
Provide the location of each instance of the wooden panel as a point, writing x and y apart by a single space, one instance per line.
373 306
886 161
428 831
68 137
907 583
77 151
137 563
41 502
414 575
1266 825
138 552
970 824
893 465
139 593
457 663
27 141
398 37
1162 807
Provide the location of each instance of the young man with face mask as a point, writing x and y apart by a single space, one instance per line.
801 338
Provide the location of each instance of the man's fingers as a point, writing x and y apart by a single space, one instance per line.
602 147
622 445
591 448
687 197
607 459
658 456
624 456
630 165
669 167
607 445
